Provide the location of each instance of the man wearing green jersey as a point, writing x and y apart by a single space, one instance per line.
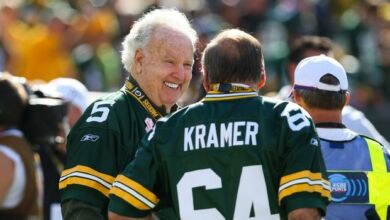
158 54
233 155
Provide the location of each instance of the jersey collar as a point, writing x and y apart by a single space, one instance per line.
229 91
132 88
336 134
330 125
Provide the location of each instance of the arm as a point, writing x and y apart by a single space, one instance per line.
304 214
90 169
78 210
8 167
114 216
138 178
304 184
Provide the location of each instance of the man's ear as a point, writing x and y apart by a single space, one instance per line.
263 78
347 98
138 61
206 84
296 97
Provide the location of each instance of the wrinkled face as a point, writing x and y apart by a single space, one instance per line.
164 68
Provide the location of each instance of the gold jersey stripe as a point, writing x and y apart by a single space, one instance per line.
129 198
84 182
302 174
138 188
90 171
304 187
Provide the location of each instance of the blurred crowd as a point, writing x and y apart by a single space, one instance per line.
45 39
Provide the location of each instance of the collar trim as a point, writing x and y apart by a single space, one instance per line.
336 134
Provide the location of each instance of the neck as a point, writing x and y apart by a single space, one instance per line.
166 109
321 115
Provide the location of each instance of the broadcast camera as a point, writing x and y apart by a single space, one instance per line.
42 119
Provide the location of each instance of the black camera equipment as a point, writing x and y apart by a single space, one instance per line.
41 119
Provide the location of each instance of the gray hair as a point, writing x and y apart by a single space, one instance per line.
143 28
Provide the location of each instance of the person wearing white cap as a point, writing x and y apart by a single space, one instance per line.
353 118
75 93
358 166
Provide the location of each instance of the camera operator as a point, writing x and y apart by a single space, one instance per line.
45 125
18 186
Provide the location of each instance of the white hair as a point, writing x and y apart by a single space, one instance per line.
143 28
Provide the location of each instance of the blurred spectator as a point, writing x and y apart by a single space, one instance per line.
96 57
36 43
2 57
18 184
73 92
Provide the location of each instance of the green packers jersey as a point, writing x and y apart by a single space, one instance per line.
231 156
103 142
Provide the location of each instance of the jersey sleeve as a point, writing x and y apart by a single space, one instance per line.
133 193
304 182
94 154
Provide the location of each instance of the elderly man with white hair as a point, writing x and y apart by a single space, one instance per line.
158 54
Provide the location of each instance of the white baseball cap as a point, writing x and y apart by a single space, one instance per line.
310 70
71 90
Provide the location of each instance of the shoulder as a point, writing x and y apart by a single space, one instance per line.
111 101
286 117
371 140
275 103
374 145
283 108
105 110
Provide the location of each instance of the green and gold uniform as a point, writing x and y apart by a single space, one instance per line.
233 155
103 142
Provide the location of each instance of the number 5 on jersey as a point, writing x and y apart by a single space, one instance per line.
100 111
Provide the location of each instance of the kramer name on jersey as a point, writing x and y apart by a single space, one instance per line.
238 133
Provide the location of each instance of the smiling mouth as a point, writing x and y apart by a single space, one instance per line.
171 85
